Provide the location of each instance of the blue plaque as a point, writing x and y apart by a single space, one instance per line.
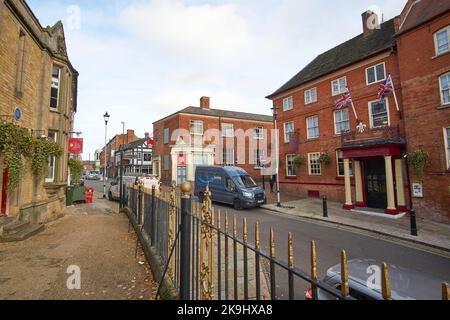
17 114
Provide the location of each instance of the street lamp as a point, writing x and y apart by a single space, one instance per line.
277 153
106 117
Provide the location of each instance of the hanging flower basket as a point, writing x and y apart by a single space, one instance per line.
324 159
418 160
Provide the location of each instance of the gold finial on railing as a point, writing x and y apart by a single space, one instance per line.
235 232
345 290
226 221
445 292
385 282
290 251
257 241
219 225
213 209
272 243
313 261
245 231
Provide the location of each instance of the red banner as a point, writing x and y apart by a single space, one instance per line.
75 146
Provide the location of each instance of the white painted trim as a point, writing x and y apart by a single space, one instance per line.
440 88
284 130
287 171
309 164
291 99
375 68
223 131
447 28
332 88
382 215
310 90
447 152
307 128
388 114
196 133
334 117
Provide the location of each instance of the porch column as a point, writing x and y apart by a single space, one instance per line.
348 186
358 185
401 200
391 209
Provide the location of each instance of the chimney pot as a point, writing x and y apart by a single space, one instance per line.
370 22
205 102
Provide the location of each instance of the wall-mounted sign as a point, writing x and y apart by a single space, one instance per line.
417 189
75 146
181 160
17 114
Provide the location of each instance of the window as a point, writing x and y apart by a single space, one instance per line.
339 86
227 130
376 73
312 124
54 94
20 62
444 82
147 157
258 133
228 157
52 136
379 114
288 104
311 96
197 127
314 166
290 168
166 135
200 159
166 162
259 158
447 145
341 121
442 41
340 164
288 131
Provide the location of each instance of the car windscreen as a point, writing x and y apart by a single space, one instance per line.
245 181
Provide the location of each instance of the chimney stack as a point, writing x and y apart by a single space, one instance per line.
204 103
147 135
370 22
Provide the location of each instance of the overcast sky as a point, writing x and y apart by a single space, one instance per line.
141 60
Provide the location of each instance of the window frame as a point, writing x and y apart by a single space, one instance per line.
287 165
436 47
224 131
352 171
284 131
261 131
376 76
191 122
440 89
262 154
310 164
447 147
333 93
308 128
55 109
291 104
166 160
225 158
53 177
386 100
335 122
166 141
309 91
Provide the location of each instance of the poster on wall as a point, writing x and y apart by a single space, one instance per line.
417 190
181 160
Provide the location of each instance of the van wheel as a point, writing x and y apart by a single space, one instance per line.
237 204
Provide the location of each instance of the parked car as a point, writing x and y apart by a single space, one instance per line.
229 185
148 181
406 284
93 176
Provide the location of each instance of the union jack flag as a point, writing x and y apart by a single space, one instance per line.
344 100
386 87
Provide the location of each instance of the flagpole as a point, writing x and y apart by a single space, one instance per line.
354 110
395 96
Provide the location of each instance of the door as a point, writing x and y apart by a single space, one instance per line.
375 174
4 192
181 175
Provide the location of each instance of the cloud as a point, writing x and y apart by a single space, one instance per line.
203 32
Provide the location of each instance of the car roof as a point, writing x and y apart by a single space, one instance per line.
406 283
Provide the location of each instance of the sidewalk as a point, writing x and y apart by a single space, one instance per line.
431 234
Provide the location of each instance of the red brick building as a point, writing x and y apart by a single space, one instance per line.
203 136
364 165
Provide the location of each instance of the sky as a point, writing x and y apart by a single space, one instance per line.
142 60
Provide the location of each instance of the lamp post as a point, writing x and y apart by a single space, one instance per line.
106 117
121 189
277 153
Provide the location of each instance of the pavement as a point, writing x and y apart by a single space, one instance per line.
93 237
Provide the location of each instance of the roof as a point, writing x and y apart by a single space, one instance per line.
135 144
423 11
343 55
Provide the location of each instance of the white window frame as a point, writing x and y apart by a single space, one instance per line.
288 103
387 110
225 131
262 155
52 179
341 90
447 147
310 100
307 128
59 87
376 75
259 136
335 122
337 165
440 89
310 166
286 139
287 166
225 157
193 122
436 48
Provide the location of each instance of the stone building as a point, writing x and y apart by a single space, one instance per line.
37 78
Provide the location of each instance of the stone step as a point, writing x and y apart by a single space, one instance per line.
5 220
27 232
14 227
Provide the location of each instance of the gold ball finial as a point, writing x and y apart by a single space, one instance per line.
186 188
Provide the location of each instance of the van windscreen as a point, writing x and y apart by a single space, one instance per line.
246 181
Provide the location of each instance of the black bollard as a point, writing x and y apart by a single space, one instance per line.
412 215
325 207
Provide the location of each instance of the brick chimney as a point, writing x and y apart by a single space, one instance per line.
204 103
370 22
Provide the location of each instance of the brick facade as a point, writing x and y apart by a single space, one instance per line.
28 53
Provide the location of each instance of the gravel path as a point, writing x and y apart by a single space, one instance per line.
93 237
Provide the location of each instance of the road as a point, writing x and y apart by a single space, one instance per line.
330 240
